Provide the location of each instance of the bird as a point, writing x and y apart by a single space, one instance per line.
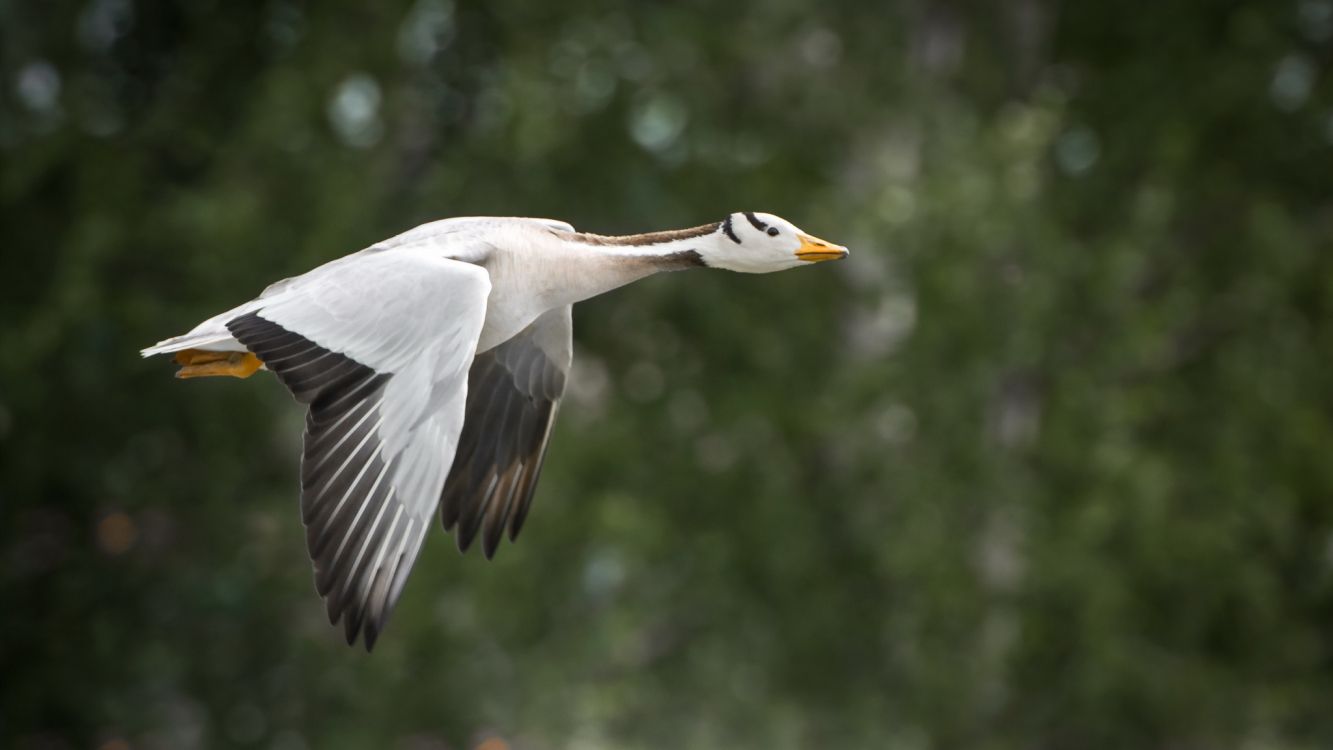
432 365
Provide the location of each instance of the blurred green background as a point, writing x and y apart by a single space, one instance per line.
1045 464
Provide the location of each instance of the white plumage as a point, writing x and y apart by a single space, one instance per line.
433 364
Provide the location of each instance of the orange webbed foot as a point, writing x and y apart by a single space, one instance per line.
197 363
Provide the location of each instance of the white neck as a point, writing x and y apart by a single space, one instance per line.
540 269
592 264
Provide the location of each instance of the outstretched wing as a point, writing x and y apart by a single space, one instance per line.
514 392
379 349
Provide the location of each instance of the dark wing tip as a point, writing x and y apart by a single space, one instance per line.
466 531
513 395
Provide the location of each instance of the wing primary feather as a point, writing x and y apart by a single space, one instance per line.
346 391
297 352
319 481
382 584
513 394
327 528
521 512
474 419
260 335
491 454
352 581
351 530
467 525
493 527
471 469
311 379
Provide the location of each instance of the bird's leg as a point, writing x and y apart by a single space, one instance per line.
197 363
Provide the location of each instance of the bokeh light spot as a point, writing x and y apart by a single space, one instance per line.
644 382
117 533
821 48
354 110
1077 150
1292 81
427 29
658 122
38 86
102 22
715 453
1316 19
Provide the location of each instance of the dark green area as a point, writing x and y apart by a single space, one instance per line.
1048 463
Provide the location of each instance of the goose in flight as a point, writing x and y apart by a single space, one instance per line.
432 365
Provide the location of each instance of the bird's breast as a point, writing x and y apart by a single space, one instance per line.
523 287
505 318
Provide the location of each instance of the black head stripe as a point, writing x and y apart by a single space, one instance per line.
727 230
754 220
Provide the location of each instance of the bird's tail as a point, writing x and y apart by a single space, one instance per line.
208 340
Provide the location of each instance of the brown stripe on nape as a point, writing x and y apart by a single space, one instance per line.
650 238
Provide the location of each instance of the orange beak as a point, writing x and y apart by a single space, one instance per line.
814 250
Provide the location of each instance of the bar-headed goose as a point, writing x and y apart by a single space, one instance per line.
432 365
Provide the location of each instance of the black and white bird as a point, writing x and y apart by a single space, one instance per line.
432 365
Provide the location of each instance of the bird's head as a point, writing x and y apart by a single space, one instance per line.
752 242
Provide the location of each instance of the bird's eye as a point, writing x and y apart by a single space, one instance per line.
772 231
